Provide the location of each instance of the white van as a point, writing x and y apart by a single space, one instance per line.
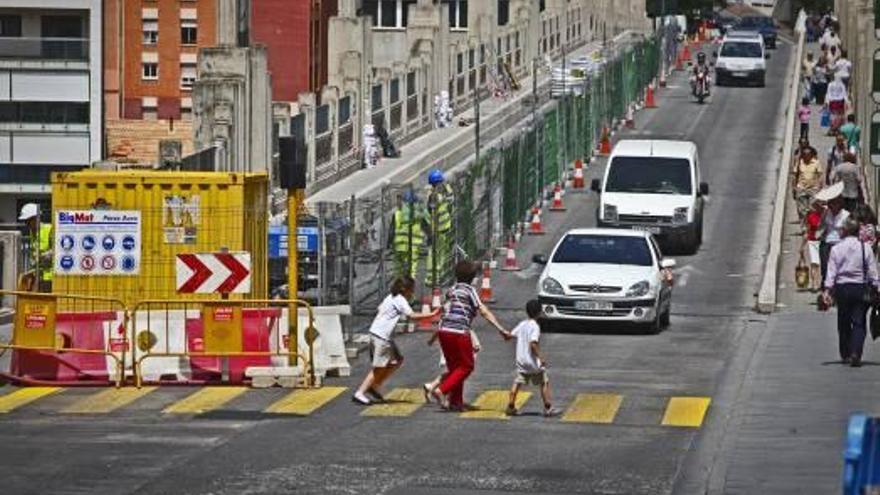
654 185
742 57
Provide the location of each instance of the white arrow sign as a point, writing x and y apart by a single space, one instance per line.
225 273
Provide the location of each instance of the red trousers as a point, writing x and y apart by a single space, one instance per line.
459 353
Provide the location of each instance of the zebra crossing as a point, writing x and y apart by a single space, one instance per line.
598 408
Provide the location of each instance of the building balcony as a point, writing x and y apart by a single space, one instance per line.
44 53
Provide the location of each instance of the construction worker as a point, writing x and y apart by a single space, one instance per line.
409 229
440 198
40 236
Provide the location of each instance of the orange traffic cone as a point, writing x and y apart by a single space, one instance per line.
686 54
557 205
578 182
605 143
426 323
649 96
436 303
510 264
486 285
535 228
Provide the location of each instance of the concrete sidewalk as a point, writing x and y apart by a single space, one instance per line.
788 424
449 146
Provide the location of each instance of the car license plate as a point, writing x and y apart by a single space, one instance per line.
593 305
739 74
647 228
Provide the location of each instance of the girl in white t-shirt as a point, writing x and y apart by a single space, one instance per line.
386 357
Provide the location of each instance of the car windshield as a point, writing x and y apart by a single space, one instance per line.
741 49
756 22
649 175
610 249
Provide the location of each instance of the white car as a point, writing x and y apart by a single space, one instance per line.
607 275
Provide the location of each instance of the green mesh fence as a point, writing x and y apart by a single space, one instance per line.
550 146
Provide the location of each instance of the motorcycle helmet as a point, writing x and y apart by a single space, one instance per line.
435 177
701 58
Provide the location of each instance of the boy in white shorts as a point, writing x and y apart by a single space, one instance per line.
531 366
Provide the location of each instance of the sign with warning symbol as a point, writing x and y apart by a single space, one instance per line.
97 242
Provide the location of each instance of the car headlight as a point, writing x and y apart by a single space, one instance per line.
609 213
551 286
680 215
639 289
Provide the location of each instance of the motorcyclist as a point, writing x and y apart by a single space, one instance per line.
701 67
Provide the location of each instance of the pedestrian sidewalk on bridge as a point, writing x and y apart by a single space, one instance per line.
788 425
441 145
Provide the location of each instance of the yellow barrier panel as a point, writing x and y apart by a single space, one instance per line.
222 329
67 339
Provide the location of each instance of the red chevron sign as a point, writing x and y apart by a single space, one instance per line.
223 273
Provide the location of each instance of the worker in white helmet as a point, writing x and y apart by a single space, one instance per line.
40 235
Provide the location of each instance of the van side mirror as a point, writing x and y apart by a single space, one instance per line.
594 185
539 259
704 189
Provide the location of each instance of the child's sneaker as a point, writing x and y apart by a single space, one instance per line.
550 412
511 411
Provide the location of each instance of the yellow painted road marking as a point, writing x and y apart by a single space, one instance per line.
593 408
24 396
491 404
205 400
108 400
686 411
401 402
305 402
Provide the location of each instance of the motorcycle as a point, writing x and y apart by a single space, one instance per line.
701 86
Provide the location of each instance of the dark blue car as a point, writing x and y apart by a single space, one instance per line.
761 24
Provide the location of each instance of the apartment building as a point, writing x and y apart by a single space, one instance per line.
50 95
150 56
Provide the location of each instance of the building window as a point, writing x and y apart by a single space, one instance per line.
42 112
377 97
458 14
151 32
187 76
503 12
388 13
344 110
10 26
189 33
471 58
150 71
150 109
541 5
394 90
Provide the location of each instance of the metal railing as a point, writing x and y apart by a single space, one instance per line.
45 48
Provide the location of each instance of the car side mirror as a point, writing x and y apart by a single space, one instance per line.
539 259
667 263
594 185
704 189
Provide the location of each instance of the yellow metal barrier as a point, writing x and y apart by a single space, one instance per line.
67 339
220 334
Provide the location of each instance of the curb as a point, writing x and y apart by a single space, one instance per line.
766 302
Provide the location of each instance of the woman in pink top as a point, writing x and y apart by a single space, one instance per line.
804 113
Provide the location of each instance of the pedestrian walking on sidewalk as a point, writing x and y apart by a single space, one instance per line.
832 223
804 114
462 306
850 174
852 132
835 156
852 271
812 223
808 179
386 357
836 100
867 225
531 365
820 80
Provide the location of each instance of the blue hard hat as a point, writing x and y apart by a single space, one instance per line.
435 177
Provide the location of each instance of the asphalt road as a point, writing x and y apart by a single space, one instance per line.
337 450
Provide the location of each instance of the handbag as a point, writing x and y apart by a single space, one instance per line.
869 293
874 322
825 121
802 273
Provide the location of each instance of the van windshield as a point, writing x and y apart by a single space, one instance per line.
649 175
741 49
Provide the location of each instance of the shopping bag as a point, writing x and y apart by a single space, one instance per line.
825 121
802 273
874 322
